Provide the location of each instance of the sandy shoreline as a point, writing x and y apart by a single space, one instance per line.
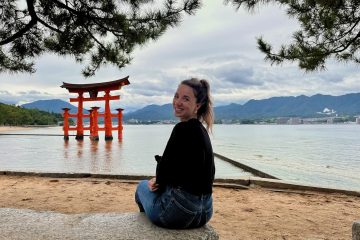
238 214
13 128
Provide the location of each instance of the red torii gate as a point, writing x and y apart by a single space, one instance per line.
93 89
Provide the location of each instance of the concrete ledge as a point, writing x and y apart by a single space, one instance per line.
239 180
280 184
75 175
245 167
356 230
24 224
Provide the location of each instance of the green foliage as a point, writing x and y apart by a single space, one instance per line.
328 29
247 121
344 119
17 116
98 32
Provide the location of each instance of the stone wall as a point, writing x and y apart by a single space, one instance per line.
27 224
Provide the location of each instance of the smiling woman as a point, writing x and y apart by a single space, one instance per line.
181 194
185 106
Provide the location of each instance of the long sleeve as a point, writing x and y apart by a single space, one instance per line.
188 159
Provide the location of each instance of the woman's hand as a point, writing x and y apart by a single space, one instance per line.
152 185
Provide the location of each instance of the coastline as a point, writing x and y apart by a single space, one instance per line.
13 128
254 213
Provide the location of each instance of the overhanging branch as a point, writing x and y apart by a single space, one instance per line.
21 32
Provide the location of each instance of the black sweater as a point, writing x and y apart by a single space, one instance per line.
188 159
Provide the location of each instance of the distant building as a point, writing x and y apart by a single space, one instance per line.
295 120
226 121
330 121
327 111
358 120
168 121
133 121
282 120
315 120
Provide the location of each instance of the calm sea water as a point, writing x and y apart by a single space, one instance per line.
133 155
325 155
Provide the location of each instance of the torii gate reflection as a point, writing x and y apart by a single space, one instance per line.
93 89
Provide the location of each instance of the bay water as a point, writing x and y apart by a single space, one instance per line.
325 155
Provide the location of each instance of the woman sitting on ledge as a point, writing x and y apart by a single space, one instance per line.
181 194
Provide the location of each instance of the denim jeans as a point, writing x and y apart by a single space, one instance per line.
174 208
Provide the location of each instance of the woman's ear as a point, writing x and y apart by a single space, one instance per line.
198 106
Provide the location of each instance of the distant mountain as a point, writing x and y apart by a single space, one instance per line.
300 106
54 105
152 112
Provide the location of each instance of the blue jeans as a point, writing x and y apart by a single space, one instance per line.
174 208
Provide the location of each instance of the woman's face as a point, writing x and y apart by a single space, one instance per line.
184 103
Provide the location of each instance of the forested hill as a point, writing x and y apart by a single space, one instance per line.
16 116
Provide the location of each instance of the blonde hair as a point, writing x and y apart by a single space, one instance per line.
201 90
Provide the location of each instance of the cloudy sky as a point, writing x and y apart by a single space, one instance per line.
218 44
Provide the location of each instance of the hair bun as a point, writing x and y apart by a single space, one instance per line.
204 83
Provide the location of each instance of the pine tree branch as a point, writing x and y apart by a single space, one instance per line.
48 26
64 6
82 28
21 32
348 44
350 30
94 38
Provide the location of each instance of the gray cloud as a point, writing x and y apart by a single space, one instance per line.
236 75
22 97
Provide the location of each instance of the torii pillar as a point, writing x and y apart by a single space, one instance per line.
120 127
107 117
